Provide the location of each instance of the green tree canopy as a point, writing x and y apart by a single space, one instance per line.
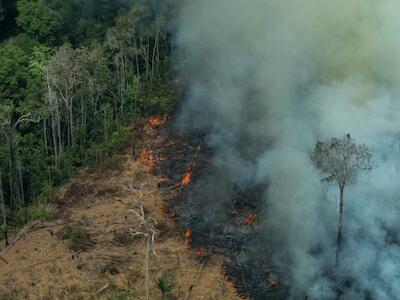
38 20
13 72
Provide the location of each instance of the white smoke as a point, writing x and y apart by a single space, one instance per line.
267 79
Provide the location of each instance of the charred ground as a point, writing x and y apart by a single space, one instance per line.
231 226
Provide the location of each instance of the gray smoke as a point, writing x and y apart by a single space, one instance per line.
267 79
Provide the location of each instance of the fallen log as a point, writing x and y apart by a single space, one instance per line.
20 234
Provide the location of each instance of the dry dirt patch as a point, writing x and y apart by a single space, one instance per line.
49 263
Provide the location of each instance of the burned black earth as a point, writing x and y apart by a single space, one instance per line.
231 226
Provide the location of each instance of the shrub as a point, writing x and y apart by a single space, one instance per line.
79 238
165 285
39 214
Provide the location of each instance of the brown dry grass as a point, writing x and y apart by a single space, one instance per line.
41 265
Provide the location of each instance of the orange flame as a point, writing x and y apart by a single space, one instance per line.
250 219
188 235
200 252
163 180
233 284
148 159
158 121
147 155
187 178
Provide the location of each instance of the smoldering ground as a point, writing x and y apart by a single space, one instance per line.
266 80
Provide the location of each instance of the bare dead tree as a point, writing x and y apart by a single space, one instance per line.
341 159
67 74
26 118
52 105
146 228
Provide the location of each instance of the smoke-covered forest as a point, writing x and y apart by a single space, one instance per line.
202 149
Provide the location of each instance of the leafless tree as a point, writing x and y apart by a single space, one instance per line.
341 159
67 73
52 105
145 228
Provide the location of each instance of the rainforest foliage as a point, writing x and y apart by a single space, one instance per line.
74 74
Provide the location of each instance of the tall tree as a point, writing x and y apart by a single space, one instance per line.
68 71
9 123
341 159
38 20
3 212
59 66
40 67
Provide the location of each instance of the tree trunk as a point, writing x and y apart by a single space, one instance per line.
339 243
95 101
146 57
50 185
60 142
105 125
148 62
172 43
123 85
11 165
136 56
148 253
83 120
71 123
21 181
46 148
54 137
51 108
153 59
339 228
3 212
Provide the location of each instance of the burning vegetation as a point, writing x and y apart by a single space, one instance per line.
233 283
251 219
148 159
158 121
188 238
187 178
180 163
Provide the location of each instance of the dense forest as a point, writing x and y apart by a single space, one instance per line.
74 74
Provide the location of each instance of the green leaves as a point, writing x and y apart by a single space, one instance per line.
68 94
39 58
13 72
341 158
165 285
38 20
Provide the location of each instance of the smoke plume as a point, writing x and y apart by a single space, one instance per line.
267 79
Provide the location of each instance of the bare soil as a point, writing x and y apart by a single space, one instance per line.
47 263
